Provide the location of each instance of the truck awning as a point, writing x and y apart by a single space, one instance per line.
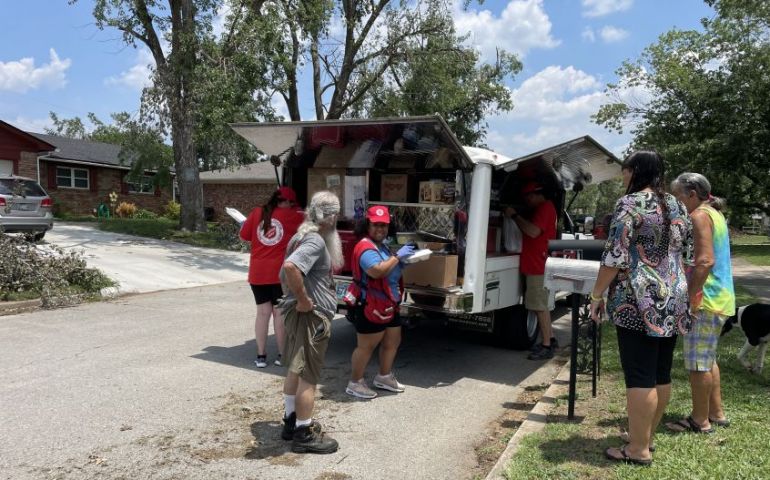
579 161
282 138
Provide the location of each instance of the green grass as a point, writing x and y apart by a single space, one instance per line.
754 248
575 450
166 229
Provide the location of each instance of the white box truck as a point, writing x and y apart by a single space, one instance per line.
472 282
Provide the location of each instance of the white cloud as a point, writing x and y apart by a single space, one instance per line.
600 8
522 26
551 107
612 34
136 77
588 35
21 75
35 125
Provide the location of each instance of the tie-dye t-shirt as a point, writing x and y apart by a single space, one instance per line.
649 294
718 290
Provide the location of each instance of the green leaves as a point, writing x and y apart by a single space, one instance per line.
706 109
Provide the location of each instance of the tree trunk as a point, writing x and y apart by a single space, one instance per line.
181 100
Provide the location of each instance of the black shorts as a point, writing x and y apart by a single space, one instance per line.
267 293
646 360
364 326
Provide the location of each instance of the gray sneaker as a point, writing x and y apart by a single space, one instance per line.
360 389
388 382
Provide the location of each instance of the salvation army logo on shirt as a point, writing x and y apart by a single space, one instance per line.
274 233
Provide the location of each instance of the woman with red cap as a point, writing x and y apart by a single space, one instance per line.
376 317
269 229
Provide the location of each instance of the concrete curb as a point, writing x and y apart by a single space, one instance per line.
23 306
535 422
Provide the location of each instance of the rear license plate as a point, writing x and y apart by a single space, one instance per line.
23 207
341 287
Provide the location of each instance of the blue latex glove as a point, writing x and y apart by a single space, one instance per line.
405 252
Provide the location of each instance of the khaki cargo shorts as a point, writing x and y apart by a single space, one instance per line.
536 295
307 338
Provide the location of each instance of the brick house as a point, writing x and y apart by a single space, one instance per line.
243 188
78 174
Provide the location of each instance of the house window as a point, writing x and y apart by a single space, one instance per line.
72 177
142 184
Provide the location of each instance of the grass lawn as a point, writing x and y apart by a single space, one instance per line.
575 450
754 248
222 236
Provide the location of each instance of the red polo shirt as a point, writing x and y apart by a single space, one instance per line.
534 251
269 248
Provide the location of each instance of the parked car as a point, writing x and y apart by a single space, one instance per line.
24 207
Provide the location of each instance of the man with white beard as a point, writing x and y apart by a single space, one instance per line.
308 306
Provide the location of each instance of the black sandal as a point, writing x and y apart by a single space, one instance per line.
688 425
624 458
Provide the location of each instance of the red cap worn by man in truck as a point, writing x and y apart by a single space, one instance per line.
288 194
531 187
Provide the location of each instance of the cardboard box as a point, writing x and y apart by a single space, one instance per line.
393 188
437 271
332 179
437 191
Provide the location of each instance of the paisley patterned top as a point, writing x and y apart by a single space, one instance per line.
649 293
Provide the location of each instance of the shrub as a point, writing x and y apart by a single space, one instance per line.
173 210
46 271
126 210
145 214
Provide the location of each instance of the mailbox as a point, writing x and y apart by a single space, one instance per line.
570 275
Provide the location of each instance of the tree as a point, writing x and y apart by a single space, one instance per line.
142 145
370 58
707 110
183 23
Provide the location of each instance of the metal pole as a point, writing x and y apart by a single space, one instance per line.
576 301
595 351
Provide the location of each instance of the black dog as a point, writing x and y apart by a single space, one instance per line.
754 320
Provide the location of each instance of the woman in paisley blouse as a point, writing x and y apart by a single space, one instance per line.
643 265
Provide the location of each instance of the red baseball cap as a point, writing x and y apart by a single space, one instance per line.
531 187
287 193
378 214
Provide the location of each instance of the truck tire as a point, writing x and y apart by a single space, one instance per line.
515 328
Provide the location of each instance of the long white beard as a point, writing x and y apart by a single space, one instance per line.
332 240
334 245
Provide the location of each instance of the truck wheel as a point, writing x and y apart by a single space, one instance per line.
515 327
39 236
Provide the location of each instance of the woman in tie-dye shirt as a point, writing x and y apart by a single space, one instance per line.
712 299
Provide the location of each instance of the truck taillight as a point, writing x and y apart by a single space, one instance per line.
46 202
2 202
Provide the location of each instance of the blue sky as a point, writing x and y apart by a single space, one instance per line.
53 58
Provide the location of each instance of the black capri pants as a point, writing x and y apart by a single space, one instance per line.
646 360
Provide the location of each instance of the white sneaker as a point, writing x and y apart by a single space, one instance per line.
261 361
277 361
360 389
388 382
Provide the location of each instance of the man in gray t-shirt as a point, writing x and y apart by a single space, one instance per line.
310 255
309 305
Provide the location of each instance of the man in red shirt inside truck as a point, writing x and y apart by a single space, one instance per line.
538 228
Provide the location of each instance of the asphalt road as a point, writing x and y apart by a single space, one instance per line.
162 386
143 265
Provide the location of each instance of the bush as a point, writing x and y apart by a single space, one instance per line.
126 210
173 210
47 271
143 214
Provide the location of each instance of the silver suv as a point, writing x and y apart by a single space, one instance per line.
24 207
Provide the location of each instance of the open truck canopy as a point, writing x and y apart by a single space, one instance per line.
578 161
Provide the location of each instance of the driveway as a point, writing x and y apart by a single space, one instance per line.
163 386
146 265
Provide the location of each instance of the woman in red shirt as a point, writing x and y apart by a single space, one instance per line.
269 229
